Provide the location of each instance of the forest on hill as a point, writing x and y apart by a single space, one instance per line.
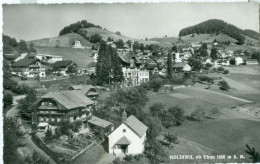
78 28
219 26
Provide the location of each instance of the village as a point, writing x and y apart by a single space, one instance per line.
94 96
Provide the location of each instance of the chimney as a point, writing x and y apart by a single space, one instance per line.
124 116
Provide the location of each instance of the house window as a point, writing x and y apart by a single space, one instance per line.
52 119
124 130
41 119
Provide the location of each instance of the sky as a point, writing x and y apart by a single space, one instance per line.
135 20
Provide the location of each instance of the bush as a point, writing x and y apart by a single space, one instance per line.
232 61
226 71
220 69
138 157
198 114
156 84
223 85
128 158
117 161
8 99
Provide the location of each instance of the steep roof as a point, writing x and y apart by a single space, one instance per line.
63 63
69 99
126 57
136 125
99 122
25 62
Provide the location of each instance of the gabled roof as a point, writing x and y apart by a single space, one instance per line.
69 99
82 88
25 62
99 122
179 65
136 125
63 63
123 141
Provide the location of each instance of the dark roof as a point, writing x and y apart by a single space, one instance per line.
69 99
63 63
123 141
82 88
136 125
126 57
99 122
26 61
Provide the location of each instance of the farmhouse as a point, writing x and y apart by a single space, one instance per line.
61 67
128 138
181 67
55 106
77 44
251 61
49 58
29 67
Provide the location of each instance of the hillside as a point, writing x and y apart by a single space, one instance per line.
215 26
105 34
82 57
167 40
60 41
221 38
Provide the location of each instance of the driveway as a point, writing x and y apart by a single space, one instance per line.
29 144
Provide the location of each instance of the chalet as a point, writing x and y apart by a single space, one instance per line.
147 52
87 90
63 105
207 60
251 61
152 68
181 67
144 59
49 58
29 67
21 56
128 138
160 61
225 62
61 67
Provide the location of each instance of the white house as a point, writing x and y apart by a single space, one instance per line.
128 138
95 56
135 77
239 60
77 44
177 58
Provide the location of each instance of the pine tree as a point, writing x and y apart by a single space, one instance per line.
108 67
169 65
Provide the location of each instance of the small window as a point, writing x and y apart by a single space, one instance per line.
124 130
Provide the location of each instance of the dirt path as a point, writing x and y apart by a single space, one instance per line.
29 144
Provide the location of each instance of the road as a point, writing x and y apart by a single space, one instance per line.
29 144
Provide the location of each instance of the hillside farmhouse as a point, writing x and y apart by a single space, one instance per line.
61 67
77 44
29 66
49 58
128 138
239 60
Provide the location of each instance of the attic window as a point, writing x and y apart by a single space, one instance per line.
124 130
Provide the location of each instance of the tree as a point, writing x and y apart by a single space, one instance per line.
35 159
154 151
119 43
178 114
169 66
22 47
198 114
48 135
156 109
118 33
256 55
154 127
156 84
26 103
108 67
223 85
204 53
8 99
232 61
32 50
72 69
96 38
170 138
213 54
195 63
254 155
12 140
174 49
204 46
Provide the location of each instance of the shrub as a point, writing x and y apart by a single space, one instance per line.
220 69
117 161
232 61
8 99
198 114
138 157
226 71
214 69
223 85
128 158
156 84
